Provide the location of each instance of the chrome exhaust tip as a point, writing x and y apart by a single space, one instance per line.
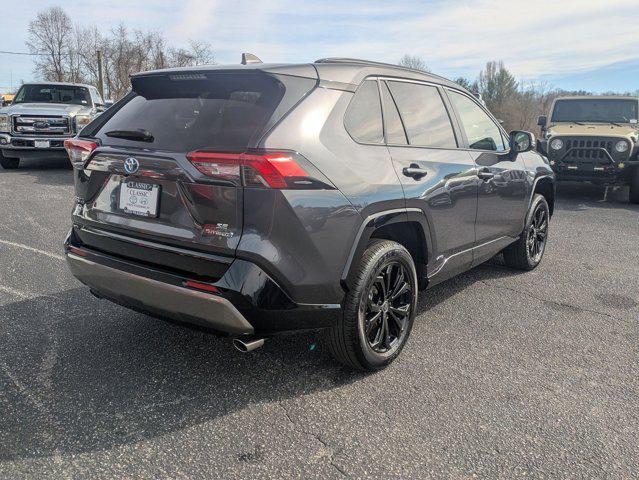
247 345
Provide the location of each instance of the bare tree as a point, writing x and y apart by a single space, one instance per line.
202 52
50 36
69 53
199 53
414 62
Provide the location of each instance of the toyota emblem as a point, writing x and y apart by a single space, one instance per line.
131 165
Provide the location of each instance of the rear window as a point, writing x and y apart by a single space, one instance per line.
190 111
363 120
424 115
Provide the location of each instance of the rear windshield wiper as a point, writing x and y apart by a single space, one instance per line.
137 135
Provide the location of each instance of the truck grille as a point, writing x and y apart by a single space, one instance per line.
36 125
589 149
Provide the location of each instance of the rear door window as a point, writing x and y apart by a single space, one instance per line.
482 132
363 119
424 115
190 111
395 133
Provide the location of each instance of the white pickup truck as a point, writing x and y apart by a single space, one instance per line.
42 116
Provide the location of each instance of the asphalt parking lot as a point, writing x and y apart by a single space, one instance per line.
505 375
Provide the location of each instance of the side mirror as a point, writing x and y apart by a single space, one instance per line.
521 141
542 120
100 108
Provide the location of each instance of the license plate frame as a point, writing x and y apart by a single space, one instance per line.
141 199
41 144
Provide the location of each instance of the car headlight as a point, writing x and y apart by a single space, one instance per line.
557 144
82 121
621 146
4 123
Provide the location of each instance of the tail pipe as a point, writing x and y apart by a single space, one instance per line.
248 344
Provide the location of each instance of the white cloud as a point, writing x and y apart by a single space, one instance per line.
455 37
548 37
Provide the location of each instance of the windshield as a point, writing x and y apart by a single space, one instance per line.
53 94
595 110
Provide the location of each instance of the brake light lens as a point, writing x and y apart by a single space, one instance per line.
224 166
273 170
79 150
264 170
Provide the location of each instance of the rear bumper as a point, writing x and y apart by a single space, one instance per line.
177 303
246 300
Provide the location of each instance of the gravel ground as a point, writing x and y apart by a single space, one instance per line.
505 375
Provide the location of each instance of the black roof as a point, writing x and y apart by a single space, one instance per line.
344 70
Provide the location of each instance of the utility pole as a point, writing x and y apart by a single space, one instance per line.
100 80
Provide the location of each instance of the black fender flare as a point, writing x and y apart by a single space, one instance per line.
376 221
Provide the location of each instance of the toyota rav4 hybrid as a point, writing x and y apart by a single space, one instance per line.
261 199
41 117
594 139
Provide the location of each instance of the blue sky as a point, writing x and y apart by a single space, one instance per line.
572 44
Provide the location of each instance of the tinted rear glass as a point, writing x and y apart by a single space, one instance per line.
185 112
425 118
363 119
395 133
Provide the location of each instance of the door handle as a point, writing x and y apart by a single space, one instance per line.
485 174
414 171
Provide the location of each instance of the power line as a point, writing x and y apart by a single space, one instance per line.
24 53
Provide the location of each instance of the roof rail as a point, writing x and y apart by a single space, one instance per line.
372 63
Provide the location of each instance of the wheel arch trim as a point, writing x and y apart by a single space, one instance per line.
550 178
380 219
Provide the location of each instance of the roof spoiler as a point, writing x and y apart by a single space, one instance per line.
248 58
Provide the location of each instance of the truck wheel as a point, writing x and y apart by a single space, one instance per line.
9 163
379 310
527 252
634 186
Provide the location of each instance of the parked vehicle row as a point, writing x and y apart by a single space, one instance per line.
261 199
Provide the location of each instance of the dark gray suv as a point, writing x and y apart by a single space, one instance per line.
261 199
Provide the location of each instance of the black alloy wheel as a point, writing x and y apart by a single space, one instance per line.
388 308
526 253
379 308
537 233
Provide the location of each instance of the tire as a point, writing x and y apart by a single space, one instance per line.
634 186
9 163
388 318
525 254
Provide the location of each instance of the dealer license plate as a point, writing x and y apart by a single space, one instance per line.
139 198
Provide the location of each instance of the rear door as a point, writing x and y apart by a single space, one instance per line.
168 165
503 188
438 178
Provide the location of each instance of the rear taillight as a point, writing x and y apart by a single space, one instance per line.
265 170
223 166
79 150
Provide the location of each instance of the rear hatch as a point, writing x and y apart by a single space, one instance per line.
146 177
